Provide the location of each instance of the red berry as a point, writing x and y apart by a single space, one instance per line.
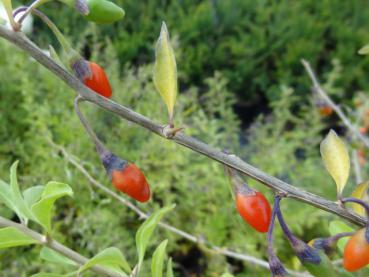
255 210
361 155
99 81
356 253
364 130
132 182
325 111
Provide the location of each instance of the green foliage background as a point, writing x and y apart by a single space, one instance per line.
232 55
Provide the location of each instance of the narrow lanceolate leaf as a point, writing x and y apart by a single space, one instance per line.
7 199
360 192
336 159
165 70
46 274
43 208
323 269
144 233
21 207
364 50
170 268
54 55
226 275
2 21
110 258
9 10
157 262
52 256
32 195
12 237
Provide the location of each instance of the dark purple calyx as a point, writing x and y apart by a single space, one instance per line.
240 186
304 252
244 189
111 162
81 69
82 7
325 244
328 244
276 267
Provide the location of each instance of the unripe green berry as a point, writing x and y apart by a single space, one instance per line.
103 11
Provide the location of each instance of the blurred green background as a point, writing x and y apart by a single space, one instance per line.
242 87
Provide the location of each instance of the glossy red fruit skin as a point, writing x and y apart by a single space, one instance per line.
131 181
99 81
255 210
356 253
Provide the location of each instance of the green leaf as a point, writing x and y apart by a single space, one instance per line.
226 275
157 262
170 268
54 55
336 159
12 237
45 274
42 209
9 10
52 256
145 231
165 70
7 198
2 21
324 269
110 258
364 50
337 227
22 209
32 195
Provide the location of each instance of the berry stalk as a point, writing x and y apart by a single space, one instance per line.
99 145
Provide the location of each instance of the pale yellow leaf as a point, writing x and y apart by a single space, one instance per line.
165 70
336 159
364 50
9 10
360 192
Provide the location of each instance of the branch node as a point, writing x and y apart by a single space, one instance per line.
170 132
45 240
281 194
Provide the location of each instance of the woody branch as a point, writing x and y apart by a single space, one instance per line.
22 42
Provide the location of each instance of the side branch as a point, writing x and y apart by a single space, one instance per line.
21 41
193 238
318 88
58 247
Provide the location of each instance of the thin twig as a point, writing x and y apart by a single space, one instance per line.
58 247
143 215
318 88
99 146
357 167
21 41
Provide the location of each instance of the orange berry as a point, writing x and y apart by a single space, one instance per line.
325 110
356 253
255 210
361 156
132 182
99 81
364 130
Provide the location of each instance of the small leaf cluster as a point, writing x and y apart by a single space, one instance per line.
37 204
